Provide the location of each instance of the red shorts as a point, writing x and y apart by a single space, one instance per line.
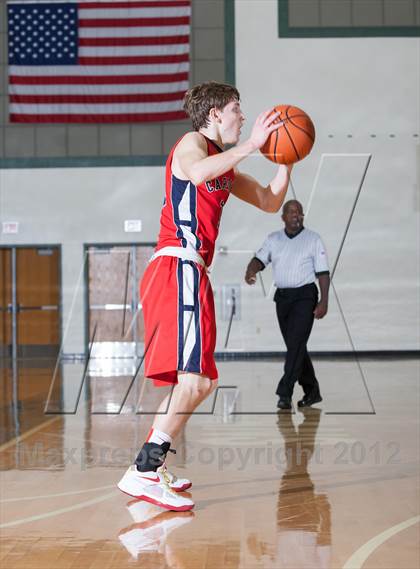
179 320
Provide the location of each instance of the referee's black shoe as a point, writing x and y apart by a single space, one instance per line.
284 403
310 399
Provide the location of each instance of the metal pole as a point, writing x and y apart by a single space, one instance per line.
232 314
14 305
134 294
15 391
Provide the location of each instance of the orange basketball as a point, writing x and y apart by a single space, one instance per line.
293 140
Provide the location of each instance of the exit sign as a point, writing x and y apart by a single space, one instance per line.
132 225
10 227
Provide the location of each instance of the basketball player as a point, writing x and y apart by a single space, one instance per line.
177 299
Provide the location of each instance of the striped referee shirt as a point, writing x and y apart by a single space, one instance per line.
297 259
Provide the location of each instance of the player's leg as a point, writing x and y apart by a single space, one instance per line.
173 413
197 373
147 478
185 397
158 292
184 341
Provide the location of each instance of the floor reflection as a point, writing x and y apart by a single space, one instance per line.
25 385
147 536
303 539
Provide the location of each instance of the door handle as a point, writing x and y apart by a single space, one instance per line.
22 307
110 307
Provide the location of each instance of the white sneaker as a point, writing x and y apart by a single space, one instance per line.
176 484
154 489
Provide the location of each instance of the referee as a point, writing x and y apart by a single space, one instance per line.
299 258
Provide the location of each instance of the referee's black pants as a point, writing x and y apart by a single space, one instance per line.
295 313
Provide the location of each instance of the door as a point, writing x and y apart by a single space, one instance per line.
114 311
6 289
30 301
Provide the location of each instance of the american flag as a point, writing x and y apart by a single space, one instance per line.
98 62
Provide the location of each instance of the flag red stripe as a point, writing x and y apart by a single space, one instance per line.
132 22
102 118
96 99
136 59
97 79
146 4
108 42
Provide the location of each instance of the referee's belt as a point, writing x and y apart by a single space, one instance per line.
282 290
181 253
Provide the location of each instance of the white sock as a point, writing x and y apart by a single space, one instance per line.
158 437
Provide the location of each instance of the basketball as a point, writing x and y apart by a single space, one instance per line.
293 140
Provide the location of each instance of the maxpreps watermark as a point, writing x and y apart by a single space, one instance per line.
222 458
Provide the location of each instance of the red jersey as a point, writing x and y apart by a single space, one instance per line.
191 214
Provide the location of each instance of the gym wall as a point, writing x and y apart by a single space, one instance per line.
363 95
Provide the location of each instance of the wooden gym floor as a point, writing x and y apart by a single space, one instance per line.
332 487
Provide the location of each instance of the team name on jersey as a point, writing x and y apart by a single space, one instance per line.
217 184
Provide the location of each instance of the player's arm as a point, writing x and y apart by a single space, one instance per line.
269 199
191 160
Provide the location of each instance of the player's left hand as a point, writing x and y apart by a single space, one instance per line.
321 310
264 125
